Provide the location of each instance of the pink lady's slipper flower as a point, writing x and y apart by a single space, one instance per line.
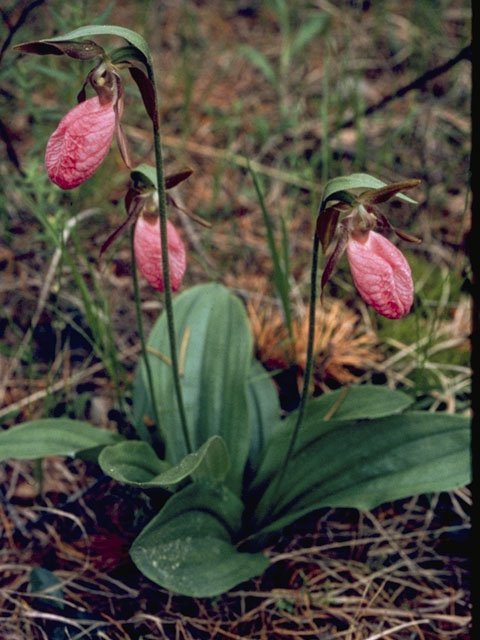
80 143
82 139
381 273
148 252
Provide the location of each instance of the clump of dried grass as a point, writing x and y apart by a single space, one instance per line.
343 348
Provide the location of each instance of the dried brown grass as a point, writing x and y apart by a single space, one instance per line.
398 572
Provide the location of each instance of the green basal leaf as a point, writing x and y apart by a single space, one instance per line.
132 462
43 580
334 188
137 463
211 461
359 402
142 408
52 437
365 463
215 351
263 411
188 547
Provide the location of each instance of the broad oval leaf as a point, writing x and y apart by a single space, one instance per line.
322 414
137 463
361 402
188 547
132 462
52 437
215 350
264 411
363 464
142 408
40 580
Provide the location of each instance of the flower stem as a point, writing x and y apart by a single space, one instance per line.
141 334
307 374
162 209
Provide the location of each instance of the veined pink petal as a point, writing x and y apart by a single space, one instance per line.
381 274
148 253
80 143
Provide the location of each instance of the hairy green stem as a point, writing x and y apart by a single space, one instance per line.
141 333
308 370
162 209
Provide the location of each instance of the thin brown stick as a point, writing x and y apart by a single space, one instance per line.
418 83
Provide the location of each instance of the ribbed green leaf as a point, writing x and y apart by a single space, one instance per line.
132 462
142 408
263 411
43 580
187 548
362 464
350 403
52 437
215 351
137 463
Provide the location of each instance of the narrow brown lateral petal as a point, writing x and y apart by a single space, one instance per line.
85 50
132 216
191 215
335 257
146 91
327 223
176 178
389 191
406 236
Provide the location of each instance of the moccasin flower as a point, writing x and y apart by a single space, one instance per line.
80 143
381 273
148 252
